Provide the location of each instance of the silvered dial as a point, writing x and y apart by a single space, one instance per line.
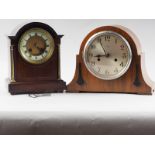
36 46
107 55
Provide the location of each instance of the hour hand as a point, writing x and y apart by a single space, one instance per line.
99 55
40 49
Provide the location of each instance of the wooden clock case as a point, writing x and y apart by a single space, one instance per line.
28 78
131 82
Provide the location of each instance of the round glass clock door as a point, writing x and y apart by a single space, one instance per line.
107 55
36 46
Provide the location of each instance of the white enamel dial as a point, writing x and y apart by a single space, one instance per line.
36 46
107 55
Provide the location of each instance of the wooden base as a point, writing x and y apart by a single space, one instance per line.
37 87
129 83
112 92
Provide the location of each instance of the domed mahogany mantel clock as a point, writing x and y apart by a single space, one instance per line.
35 60
110 60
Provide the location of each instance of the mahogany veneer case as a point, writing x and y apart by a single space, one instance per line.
27 78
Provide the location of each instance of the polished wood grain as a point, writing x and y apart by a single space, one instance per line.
131 82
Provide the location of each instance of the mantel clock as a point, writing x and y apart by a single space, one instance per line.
110 60
35 60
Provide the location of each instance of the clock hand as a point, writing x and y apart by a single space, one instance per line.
100 55
39 48
103 47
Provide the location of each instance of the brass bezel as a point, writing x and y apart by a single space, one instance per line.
50 52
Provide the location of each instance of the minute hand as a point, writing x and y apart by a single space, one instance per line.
103 47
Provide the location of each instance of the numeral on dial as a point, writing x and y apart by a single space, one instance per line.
107 38
99 69
106 72
90 54
122 47
115 41
116 70
92 46
121 64
92 63
124 55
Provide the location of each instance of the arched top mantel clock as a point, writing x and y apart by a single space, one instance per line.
35 60
110 60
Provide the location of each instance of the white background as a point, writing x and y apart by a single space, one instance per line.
78 144
74 32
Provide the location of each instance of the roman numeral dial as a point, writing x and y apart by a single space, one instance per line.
110 53
36 46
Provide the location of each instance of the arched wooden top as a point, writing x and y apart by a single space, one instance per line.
120 30
31 25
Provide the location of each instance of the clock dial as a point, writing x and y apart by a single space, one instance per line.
107 55
36 46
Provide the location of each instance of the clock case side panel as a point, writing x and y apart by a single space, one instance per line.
131 82
30 78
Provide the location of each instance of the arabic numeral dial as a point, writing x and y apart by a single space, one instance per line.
107 55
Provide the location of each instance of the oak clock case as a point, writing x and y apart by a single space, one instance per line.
35 60
109 61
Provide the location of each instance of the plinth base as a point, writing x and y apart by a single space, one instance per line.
37 87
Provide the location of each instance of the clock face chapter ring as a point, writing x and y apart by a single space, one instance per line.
36 46
107 55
